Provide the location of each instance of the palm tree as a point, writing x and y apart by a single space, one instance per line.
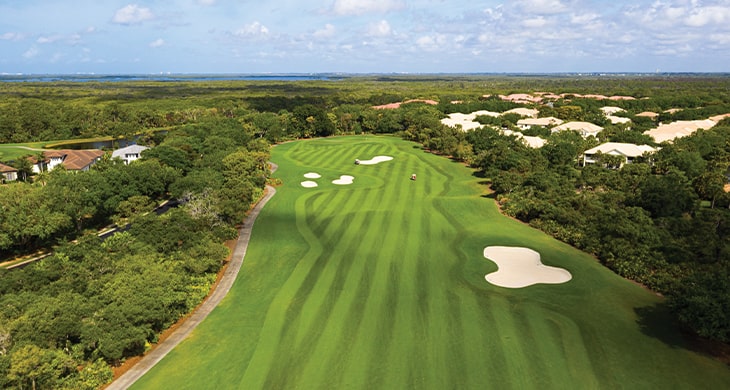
24 167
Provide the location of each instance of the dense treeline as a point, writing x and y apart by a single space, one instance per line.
65 319
663 222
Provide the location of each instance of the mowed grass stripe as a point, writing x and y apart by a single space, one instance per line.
514 340
375 333
315 299
331 229
572 358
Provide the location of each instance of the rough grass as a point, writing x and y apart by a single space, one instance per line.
380 284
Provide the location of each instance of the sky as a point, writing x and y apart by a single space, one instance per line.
363 36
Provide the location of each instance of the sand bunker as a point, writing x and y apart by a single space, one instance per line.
521 267
375 160
308 184
312 175
343 180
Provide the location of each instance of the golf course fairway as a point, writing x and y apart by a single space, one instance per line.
372 280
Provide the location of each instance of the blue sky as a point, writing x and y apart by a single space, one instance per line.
359 36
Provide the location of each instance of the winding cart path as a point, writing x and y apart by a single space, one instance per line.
229 276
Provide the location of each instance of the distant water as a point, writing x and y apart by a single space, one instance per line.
164 77
6 77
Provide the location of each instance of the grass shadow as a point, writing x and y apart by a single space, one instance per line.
658 322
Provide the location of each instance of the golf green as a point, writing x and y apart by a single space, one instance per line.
379 284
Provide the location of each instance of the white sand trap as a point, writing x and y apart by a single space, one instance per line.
308 184
343 180
375 160
521 267
312 175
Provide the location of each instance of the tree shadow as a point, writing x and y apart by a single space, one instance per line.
658 322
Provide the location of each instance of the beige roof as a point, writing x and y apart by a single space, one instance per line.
618 148
467 121
610 110
546 121
584 128
718 118
679 129
533 142
528 112
618 119
521 98
393 106
485 113
648 114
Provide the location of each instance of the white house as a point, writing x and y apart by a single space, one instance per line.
72 160
629 152
585 129
610 110
530 141
521 111
129 153
526 123
8 173
678 129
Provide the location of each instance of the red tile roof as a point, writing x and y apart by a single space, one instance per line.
77 160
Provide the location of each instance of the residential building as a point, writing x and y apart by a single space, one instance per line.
521 111
585 129
527 123
8 173
129 153
72 160
629 152
670 131
527 140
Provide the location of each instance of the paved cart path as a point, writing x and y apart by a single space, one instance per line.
162 349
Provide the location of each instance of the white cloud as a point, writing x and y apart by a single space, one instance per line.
30 53
380 29
543 6
206 2
253 30
432 42
157 43
132 14
586 18
359 7
48 39
11 36
327 32
703 16
537 22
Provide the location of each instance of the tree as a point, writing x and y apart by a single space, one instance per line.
26 216
710 185
668 195
170 156
702 303
24 167
37 366
79 196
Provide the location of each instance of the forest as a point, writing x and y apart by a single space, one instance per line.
65 321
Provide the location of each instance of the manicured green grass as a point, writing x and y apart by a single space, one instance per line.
14 151
380 285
